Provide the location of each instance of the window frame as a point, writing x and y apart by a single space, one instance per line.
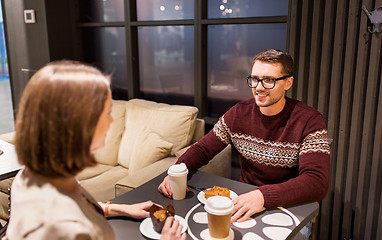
200 23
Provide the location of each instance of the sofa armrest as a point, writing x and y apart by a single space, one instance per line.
8 137
143 175
220 165
199 130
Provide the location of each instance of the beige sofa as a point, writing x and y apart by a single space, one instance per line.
143 141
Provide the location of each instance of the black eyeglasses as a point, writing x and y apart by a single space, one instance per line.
268 83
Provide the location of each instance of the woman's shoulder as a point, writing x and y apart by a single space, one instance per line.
39 208
41 201
52 230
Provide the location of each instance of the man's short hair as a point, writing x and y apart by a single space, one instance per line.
276 56
57 117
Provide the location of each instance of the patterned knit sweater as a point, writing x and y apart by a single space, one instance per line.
286 155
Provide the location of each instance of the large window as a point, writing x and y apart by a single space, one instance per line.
181 51
166 60
165 9
105 48
101 10
247 8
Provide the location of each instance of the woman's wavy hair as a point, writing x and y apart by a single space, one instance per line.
57 117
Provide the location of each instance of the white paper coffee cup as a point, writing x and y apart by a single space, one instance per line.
219 211
178 180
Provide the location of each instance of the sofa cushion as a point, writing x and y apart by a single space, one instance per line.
6 184
102 187
93 171
149 148
143 175
4 206
174 123
109 153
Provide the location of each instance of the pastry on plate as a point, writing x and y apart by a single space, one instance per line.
159 215
217 191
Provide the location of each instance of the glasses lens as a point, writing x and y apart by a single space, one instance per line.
268 82
250 82
254 82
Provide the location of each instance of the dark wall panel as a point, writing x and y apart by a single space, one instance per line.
30 46
339 67
25 43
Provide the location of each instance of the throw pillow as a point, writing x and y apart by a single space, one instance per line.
149 148
174 123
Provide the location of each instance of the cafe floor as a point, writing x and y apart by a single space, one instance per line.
6 108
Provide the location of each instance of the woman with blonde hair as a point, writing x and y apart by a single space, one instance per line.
63 117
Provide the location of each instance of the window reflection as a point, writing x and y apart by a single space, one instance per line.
101 10
165 9
230 61
105 47
166 60
247 8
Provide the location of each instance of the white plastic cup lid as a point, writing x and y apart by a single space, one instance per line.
219 205
178 170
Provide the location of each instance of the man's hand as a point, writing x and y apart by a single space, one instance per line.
165 188
246 205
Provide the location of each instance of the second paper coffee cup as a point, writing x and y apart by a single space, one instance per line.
178 180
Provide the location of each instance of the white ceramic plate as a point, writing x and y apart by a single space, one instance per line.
147 228
203 200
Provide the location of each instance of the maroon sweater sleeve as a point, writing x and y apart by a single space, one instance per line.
200 153
206 148
312 182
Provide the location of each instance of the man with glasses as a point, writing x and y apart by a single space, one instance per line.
282 142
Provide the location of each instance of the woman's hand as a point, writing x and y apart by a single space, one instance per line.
172 230
138 210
